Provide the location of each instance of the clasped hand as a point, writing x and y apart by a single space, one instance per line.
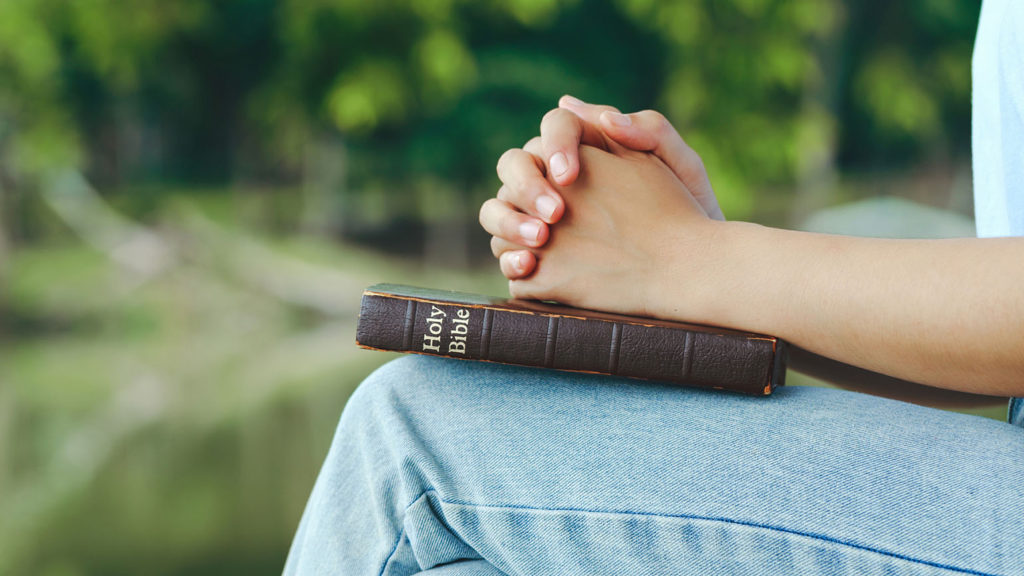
603 210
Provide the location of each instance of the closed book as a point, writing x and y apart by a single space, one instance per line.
529 333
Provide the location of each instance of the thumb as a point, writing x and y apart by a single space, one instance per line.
649 131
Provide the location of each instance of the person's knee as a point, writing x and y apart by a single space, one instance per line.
379 408
387 384
404 385
402 405
419 391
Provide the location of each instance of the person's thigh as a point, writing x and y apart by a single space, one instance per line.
539 472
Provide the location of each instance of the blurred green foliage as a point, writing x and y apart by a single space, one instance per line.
436 89
176 349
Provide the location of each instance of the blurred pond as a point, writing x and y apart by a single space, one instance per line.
172 420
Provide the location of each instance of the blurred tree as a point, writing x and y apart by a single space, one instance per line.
425 94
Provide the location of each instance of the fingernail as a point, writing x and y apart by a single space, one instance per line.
529 230
559 164
546 206
619 119
572 101
517 262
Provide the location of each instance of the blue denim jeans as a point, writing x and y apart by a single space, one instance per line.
452 467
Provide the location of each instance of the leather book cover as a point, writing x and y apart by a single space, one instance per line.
529 333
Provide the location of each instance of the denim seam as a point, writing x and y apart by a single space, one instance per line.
712 519
401 533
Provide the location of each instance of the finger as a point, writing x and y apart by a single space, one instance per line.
649 131
501 219
525 186
561 133
523 288
589 113
590 116
517 264
499 246
514 260
536 147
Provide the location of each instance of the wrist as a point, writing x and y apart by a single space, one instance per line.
720 274
695 268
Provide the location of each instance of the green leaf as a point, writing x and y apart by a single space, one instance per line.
373 94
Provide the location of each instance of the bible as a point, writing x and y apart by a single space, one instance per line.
528 333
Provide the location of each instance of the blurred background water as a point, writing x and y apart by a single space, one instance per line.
193 195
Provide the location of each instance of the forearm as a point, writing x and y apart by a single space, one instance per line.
946 313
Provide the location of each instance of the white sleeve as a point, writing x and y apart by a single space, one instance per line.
998 119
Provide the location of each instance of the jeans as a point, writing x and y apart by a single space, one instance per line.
452 467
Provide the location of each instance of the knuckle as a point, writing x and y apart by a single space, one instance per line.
554 115
504 159
514 165
652 116
488 204
657 121
535 148
522 189
515 192
482 214
487 210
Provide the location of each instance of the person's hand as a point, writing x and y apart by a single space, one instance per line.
525 206
603 127
631 228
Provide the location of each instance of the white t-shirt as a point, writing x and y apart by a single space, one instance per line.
998 119
997 137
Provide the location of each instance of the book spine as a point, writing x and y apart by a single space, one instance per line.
474 332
